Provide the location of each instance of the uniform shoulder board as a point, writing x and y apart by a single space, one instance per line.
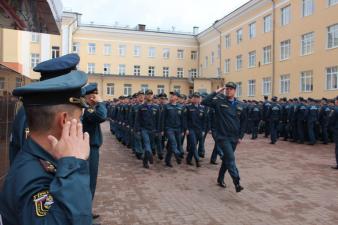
43 200
48 166
90 110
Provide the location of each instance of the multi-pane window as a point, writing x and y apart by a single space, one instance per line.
212 58
122 69
267 86
227 41
107 49
239 35
18 81
193 55
332 78
35 37
306 81
285 48
307 43
227 66
267 55
332 35
252 59
91 48
165 71
166 53
55 51
239 62
307 7
110 88
137 51
239 89
285 84
127 90
332 2
106 68
285 15
252 30
151 71
180 53
267 23
193 73
177 88
160 89
151 52
179 72
122 50
144 87
137 70
251 88
35 59
2 83
91 68
76 47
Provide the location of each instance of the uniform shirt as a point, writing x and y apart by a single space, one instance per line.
173 117
312 115
197 117
301 112
148 117
274 112
41 190
255 113
324 114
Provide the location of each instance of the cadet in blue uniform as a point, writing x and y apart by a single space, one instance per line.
48 182
324 115
95 114
256 115
48 69
311 120
301 114
266 108
274 115
334 118
231 119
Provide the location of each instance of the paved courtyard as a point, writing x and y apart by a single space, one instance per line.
285 183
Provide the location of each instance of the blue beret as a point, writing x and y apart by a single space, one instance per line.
66 89
91 88
57 66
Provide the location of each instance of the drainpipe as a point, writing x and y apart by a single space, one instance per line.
273 46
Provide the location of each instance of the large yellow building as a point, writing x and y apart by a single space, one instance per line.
283 47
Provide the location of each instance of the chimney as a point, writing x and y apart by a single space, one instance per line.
195 30
141 27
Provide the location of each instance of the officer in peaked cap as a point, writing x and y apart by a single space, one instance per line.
48 69
48 183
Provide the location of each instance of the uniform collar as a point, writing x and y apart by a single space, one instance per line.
35 149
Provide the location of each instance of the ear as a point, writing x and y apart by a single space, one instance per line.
62 118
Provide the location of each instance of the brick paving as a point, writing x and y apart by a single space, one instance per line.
285 183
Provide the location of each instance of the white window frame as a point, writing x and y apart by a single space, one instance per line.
252 30
137 51
180 72
91 68
180 54
284 86
239 35
144 87
137 70
251 88
285 15
151 52
122 50
160 89
35 59
55 52
239 90
166 71
110 88
266 85
177 88
268 23
307 77
308 7
166 53
91 48
252 59
227 64
193 55
332 2
307 44
107 49
127 89
285 50
330 76
151 71
334 33
122 69
76 47
239 62
106 68
267 55
35 37
193 73
227 41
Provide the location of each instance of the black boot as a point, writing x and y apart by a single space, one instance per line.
198 164
221 183
238 187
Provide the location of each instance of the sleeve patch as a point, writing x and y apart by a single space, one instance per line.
42 202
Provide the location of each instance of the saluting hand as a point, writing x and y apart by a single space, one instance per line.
219 90
73 142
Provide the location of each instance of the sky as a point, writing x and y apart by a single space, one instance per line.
183 15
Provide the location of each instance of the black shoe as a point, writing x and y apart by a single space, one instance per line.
151 159
221 184
189 163
168 165
138 156
335 167
160 157
182 156
145 165
201 155
95 216
238 188
272 142
213 162
178 160
198 164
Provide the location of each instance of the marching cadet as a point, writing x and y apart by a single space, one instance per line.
266 108
256 115
274 115
159 138
312 118
301 114
48 183
196 125
92 117
334 120
137 140
230 128
284 118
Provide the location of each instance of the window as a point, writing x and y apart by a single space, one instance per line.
151 71
91 48
137 51
286 15
251 88
2 83
252 59
285 84
206 62
91 68
307 43
239 35
267 54
212 58
55 52
227 66
137 70
110 89
227 41
267 23
308 7
144 88
239 89
122 69
180 54
332 78
35 59
239 62
160 89
151 52
193 73
306 81
127 90
252 30
332 36
35 37
332 2
166 53
76 47
107 49
122 50
18 81
285 48
266 86
193 55
106 68
177 89
179 72
165 71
